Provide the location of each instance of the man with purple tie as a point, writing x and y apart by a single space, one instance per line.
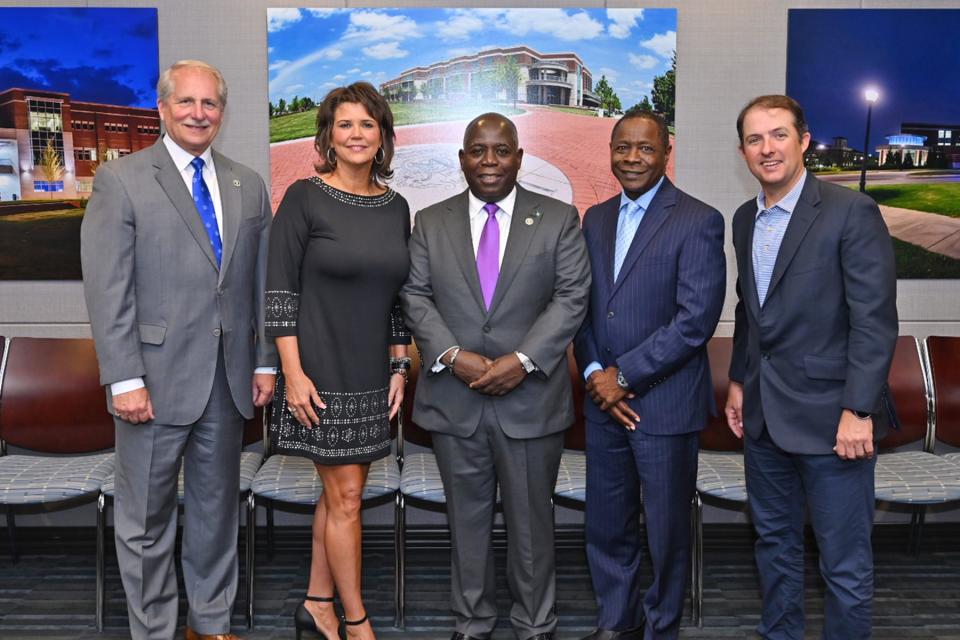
498 286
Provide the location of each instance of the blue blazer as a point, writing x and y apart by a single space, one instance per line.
654 321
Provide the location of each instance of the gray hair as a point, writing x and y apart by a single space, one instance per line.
165 82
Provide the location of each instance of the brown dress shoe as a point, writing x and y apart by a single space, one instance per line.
190 634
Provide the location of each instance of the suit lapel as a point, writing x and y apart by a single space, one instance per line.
802 217
748 283
518 242
230 202
456 222
172 183
608 240
653 218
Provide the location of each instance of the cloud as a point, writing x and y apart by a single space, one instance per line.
8 44
146 30
385 50
456 52
278 64
643 61
366 74
374 25
278 19
354 70
322 13
93 84
662 44
339 77
555 22
294 87
611 74
622 21
285 73
460 27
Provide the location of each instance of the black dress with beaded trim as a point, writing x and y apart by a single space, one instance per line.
337 261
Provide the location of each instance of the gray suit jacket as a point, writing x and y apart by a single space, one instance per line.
824 338
159 306
539 303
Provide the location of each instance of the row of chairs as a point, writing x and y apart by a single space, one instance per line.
51 402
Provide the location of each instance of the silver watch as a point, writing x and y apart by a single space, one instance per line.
621 381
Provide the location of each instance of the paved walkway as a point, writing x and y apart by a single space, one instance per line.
577 145
932 231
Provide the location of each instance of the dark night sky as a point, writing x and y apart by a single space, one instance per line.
911 56
98 55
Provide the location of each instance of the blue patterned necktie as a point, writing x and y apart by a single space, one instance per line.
626 228
201 197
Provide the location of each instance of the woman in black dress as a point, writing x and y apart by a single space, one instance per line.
338 256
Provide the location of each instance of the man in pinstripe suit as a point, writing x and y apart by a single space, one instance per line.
658 286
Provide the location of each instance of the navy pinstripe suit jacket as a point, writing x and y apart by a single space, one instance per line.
654 321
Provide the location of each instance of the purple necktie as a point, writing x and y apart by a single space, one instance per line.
488 254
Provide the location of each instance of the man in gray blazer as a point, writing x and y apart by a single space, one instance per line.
173 247
816 326
498 286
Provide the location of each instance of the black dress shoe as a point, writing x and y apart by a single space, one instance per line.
459 636
607 634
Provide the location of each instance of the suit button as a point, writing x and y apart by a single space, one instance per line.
217 332
219 291
765 355
608 350
486 328
610 314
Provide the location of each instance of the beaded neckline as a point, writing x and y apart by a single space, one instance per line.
354 199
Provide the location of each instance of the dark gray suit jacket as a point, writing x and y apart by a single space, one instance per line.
824 339
539 303
159 306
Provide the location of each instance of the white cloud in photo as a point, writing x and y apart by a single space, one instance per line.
366 74
622 21
643 61
385 50
460 27
558 23
322 13
278 64
329 84
293 88
339 77
375 25
456 52
289 70
278 19
611 74
354 70
662 44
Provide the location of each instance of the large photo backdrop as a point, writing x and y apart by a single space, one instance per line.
562 75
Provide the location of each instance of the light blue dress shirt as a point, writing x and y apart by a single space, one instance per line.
769 227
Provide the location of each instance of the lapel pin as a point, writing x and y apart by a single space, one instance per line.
236 182
528 221
536 214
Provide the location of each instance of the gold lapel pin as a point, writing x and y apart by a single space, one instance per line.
528 221
236 182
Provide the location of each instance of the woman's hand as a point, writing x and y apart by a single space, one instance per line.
395 397
301 396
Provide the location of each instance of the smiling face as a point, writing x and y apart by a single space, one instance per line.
638 156
355 136
490 158
193 112
773 149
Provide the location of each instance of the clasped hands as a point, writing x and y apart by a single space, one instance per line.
612 398
491 377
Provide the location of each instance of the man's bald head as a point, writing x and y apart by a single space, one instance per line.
492 120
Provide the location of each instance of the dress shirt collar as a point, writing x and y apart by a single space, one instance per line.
789 202
644 200
182 158
506 205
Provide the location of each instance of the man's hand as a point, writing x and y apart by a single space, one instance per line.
734 408
470 366
133 406
263 384
854 437
603 388
504 374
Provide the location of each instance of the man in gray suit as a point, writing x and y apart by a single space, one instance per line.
498 286
173 246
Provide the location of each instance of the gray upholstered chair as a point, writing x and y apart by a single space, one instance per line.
51 402
291 483
249 463
943 358
720 472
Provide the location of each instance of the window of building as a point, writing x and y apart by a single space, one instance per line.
45 115
84 153
48 186
113 154
84 185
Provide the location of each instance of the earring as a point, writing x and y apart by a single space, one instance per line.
383 156
331 158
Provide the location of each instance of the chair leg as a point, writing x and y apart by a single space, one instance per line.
916 529
101 559
400 558
12 534
270 531
251 545
696 569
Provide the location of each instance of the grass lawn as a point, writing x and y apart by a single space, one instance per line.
916 262
942 197
41 246
303 125
574 110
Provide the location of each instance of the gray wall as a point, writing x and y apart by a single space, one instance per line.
728 52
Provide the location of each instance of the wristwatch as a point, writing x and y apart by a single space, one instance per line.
621 381
863 415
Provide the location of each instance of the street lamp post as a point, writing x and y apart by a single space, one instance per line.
871 96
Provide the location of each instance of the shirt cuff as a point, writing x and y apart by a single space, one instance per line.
526 362
270 371
593 366
125 386
438 365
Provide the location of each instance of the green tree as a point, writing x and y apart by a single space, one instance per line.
643 105
908 161
295 105
272 109
281 107
51 164
609 100
665 92
507 76
892 161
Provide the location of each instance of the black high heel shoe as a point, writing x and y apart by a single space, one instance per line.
344 623
303 621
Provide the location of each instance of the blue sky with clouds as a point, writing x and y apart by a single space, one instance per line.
314 50
97 55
